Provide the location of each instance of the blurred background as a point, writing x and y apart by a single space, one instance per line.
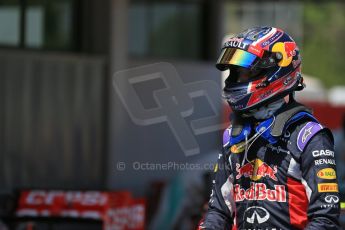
75 155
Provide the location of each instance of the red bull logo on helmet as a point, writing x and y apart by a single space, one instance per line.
255 170
287 49
290 49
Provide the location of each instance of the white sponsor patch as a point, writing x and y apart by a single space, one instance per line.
332 199
323 152
325 162
256 214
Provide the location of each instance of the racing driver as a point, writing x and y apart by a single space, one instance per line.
277 166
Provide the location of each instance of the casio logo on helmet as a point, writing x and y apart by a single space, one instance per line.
322 152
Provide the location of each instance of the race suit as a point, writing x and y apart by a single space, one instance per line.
287 179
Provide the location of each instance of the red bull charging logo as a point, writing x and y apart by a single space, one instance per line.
255 170
287 49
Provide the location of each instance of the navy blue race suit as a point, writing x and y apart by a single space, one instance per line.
287 179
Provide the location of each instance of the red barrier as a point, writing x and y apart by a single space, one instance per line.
117 210
327 114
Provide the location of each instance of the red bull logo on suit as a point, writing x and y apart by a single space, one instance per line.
259 191
255 170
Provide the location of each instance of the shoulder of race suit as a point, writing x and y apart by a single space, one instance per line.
304 124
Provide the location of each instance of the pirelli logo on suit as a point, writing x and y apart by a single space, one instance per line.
327 187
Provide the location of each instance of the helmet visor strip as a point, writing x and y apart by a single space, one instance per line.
238 57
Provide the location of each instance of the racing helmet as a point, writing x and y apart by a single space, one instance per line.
271 62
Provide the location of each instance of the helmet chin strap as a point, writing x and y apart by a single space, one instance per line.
266 111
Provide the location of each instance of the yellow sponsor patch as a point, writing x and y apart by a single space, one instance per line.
327 187
216 168
238 148
342 205
327 173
